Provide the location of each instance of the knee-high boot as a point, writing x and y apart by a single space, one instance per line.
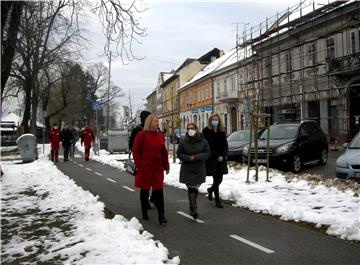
144 200
192 202
158 197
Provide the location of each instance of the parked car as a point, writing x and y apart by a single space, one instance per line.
348 164
8 133
175 136
291 145
236 141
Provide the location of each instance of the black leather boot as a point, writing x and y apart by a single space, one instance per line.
192 202
210 196
158 197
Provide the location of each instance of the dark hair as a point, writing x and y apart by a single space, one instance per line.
143 115
193 124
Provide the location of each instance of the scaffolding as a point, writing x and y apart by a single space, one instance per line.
291 69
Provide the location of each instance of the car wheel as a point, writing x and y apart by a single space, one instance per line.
324 157
296 163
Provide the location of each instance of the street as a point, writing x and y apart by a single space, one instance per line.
220 236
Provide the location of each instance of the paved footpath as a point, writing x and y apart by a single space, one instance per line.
220 236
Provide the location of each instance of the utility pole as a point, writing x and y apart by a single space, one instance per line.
108 98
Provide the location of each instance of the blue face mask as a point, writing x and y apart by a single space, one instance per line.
215 123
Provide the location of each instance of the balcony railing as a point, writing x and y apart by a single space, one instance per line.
229 95
344 65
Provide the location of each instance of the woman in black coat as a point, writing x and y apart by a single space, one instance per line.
216 165
193 150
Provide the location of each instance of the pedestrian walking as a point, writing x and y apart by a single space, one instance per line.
75 138
151 160
54 139
143 115
216 165
193 151
87 138
66 138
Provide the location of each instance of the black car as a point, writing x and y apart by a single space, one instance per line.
236 141
291 145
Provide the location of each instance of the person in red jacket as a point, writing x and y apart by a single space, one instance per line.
54 139
88 138
151 160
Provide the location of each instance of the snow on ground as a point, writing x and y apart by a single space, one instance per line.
47 218
290 197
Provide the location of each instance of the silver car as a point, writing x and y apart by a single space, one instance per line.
348 164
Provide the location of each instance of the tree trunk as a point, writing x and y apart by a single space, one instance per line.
8 50
34 107
27 109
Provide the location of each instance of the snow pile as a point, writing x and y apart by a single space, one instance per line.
47 218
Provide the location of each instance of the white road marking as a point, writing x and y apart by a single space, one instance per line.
264 249
128 188
190 217
74 161
111 180
88 169
99 174
81 165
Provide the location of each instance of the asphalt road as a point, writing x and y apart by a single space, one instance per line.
221 236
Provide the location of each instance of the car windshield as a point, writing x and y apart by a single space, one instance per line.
281 131
355 144
239 136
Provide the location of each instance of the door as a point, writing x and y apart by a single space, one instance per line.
233 113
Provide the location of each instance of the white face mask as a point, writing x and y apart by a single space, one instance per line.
191 132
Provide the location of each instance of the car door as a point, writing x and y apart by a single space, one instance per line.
306 142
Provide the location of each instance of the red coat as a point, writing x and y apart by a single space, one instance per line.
151 159
87 137
54 138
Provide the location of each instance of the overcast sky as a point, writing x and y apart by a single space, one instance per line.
177 30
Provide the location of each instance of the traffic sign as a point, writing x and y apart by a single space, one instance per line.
96 105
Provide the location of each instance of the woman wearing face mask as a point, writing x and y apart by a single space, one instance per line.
151 160
193 150
216 165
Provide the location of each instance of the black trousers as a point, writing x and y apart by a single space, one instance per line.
217 179
66 151
157 197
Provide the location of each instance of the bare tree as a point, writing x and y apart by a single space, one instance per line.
46 35
10 21
121 27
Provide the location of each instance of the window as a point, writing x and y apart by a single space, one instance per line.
330 48
288 62
233 82
353 42
311 53
217 88
199 94
225 86
203 93
194 96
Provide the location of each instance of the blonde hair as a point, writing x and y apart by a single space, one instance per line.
148 122
221 127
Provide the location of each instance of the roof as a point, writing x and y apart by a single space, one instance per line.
222 61
294 16
174 75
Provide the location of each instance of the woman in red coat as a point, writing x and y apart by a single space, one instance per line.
88 138
54 139
151 160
